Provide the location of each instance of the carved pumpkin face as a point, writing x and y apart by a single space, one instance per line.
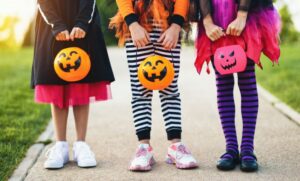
156 73
230 59
72 64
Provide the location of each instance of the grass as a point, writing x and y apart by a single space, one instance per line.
21 120
284 80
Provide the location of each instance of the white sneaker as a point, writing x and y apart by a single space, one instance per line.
57 156
143 159
179 155
83 155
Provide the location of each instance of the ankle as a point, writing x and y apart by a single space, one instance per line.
144 142
174 141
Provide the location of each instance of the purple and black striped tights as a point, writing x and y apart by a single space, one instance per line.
226 107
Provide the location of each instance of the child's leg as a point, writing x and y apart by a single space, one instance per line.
83 155
81 114
170 97
248 88
226 106
141 97
60 117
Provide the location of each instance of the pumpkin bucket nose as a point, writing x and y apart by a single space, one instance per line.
154 68
68 58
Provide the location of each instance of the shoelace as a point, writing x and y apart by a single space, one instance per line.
84 152
141 152
53 152
183 150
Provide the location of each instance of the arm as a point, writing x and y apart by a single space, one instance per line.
213 32
169 39
180 12
84 18
86 13
244 5
238 25
139 35
127 11
51 17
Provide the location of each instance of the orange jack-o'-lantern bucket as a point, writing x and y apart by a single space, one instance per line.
156 73
72 64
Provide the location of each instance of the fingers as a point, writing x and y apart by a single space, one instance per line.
216 33
235 29
72 35
147 36
63 36
77 33
162 37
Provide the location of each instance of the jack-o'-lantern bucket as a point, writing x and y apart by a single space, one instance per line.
230 59
156 73
72 64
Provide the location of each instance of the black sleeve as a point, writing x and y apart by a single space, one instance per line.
86 13
51 17
131 18
205 7
244 5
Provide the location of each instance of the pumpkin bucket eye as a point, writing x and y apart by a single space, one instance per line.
73 52
159 62
231 54
222 56
62 55
148 64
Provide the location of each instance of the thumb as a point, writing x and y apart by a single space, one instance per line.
67 35
162 37
72 34
228 29
147 36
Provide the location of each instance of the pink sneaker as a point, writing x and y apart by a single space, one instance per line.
143 159
179 155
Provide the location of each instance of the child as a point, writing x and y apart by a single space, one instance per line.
253 24
62 24
153 28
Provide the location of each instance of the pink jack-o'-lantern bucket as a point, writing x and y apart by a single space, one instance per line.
230 59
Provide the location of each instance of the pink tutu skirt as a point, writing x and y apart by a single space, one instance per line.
261 34
73 94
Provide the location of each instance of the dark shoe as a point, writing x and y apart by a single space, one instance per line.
250 165
226 163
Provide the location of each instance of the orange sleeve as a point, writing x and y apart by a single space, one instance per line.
181 7
125 7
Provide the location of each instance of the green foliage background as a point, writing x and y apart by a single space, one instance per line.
107 9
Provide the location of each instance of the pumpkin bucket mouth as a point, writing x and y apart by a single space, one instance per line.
69 67
229 66
154 76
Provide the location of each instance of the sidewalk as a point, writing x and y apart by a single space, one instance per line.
112 137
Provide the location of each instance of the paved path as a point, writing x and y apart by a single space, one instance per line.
111 135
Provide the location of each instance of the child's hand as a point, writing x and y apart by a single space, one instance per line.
236 27
139 35
63 36
77 33
170 37
213 31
